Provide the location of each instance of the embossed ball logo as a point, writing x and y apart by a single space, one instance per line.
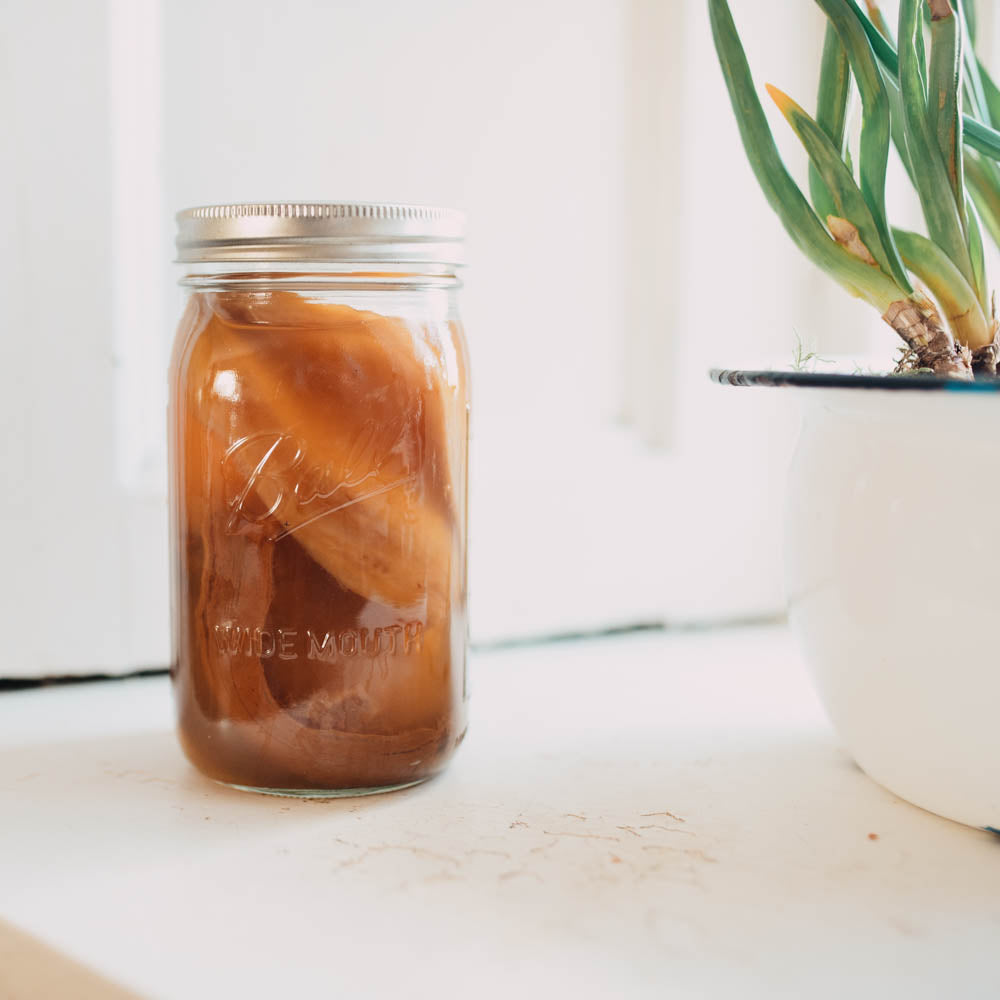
272 479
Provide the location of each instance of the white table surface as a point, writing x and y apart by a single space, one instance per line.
647 816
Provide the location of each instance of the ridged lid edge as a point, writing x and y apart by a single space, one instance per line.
315 230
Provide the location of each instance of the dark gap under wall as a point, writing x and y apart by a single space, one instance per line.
24 683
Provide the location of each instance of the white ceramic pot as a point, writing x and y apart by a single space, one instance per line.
893 575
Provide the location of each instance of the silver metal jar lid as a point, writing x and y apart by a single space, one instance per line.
322 231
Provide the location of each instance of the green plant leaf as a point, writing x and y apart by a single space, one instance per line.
892 89
991 94
974 93
983 179
944 82
787 201
875 123
981 138
881 43
897 127
976 251
954 294
848 201
831 111
877 18
971 21
978 136
945 222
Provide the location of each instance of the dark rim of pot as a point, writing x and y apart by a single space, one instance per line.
834 380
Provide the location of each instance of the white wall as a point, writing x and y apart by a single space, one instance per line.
77 592
513 112
619 247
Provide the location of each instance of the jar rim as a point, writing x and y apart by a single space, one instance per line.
355 231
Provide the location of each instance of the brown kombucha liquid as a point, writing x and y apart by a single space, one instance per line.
319 502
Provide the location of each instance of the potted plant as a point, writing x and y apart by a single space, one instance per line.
892 582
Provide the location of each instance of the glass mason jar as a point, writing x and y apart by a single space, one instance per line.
318 426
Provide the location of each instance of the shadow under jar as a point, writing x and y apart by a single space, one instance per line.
318 427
